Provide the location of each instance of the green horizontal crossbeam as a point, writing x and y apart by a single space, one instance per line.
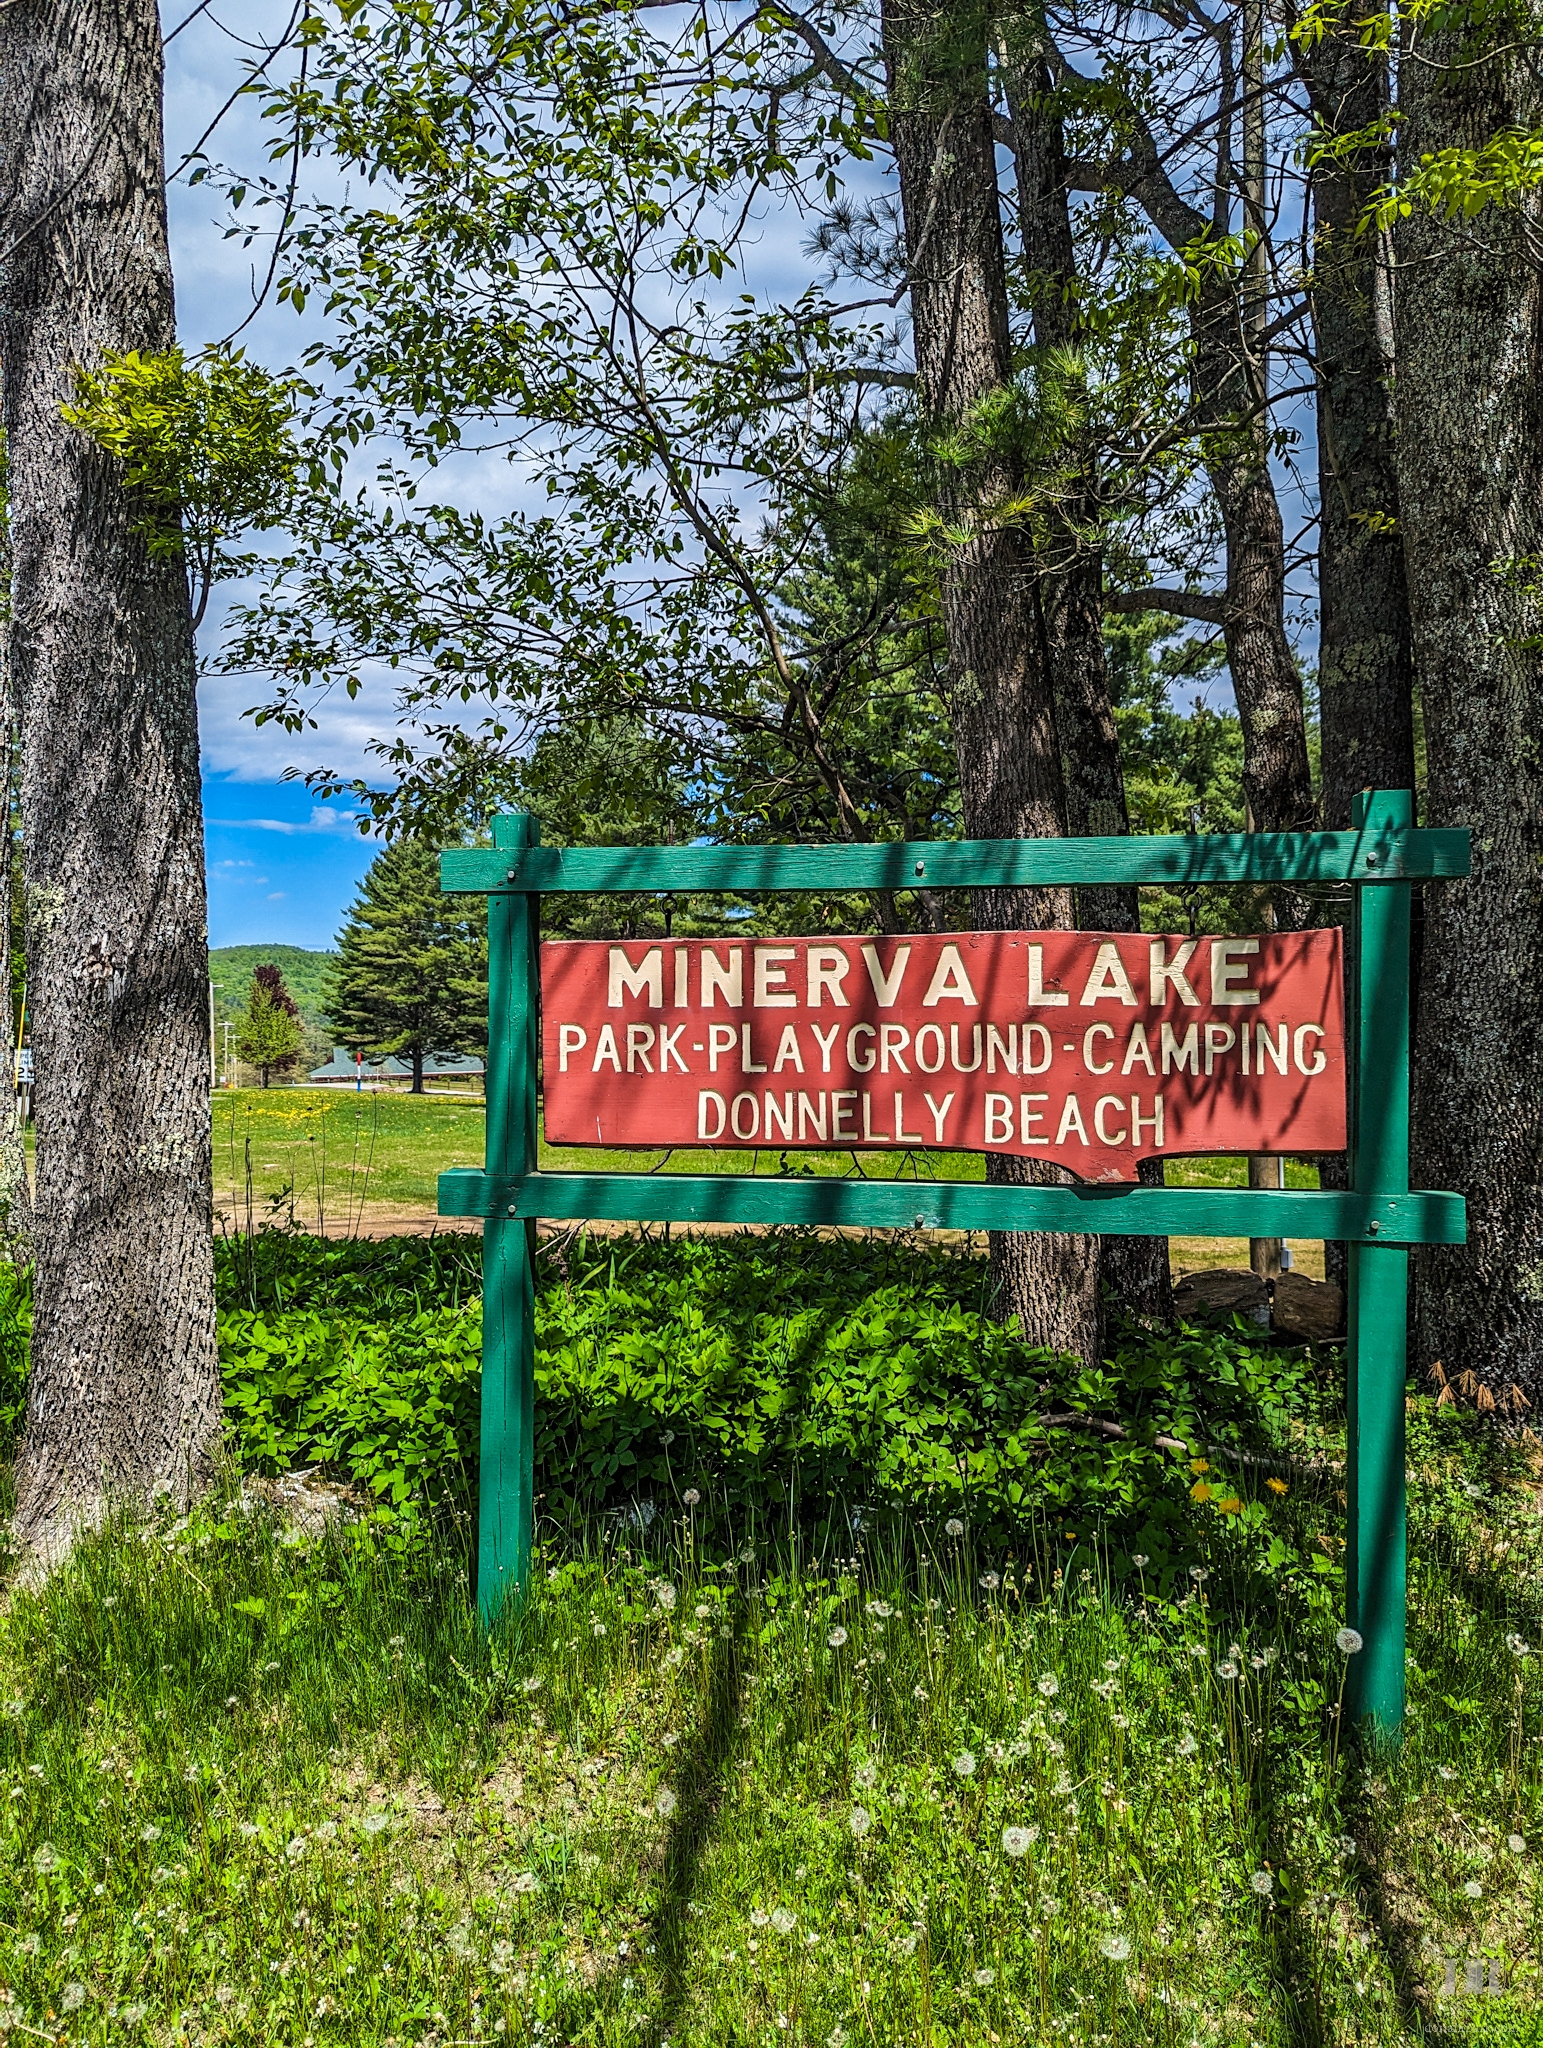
1125 1211
1374 855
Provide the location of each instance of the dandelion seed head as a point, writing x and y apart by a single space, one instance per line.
1047 1685
837 1638
1473 1889
1517 1844
782 1921
1140 1562
1116 1947
72 1998
46 1859
985 1978
867 1776
990 1581
964 1764
1348 1641
1187 1745
691 1497
953 1527
1263 1883
665 1802
526 1882
860 1821
1018 1842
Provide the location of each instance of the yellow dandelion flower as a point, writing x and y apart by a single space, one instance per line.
1278 1486
1198 1465
1200 1491
1230 1507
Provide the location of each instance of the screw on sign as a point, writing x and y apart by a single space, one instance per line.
1091 1049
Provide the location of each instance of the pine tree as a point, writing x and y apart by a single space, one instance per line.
412 974
270 1036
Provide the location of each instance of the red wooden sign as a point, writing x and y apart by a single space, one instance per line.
1092 1049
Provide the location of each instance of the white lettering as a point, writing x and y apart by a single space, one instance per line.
939 1112
1033 1034
769 977
1152 1123
949 981
1088 1060
1107 979
640 1038
999 1120
1027 1116
929 1031
788 1054
605 1049
782 1118
839 1117
730 979
953 1051
669 1038
1138 1047
828 969
1039 996
755 1116
870 1135
706 1097
1181 1054
809 1117
1107 1102
902 1135
1219 1038
864 1064
1008 1048
1319 1060
886 986
682 979
893 1040
825 1040
1071 1120
748 1064
647 978
1280 1060
721 1038
1224 973
570 1038
1168 973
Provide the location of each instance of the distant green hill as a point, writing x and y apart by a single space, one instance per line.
305 976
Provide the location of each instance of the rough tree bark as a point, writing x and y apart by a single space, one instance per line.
15 1189
1469 335
998 680
1365 666
1133 1270
1365 661
123 1401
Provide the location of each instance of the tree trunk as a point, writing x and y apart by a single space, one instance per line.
1133 1271
123 1402
1365 666
417 1087
1469 326
998 681
15 1190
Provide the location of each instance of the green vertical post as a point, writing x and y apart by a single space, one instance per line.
1375 1562
506 1485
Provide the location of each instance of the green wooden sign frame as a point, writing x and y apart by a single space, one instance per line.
1379 1215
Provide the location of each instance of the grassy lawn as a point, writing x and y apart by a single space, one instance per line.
274 1788
847 1706
332 1156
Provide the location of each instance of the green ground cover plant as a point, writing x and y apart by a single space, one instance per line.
758 1765
784 1378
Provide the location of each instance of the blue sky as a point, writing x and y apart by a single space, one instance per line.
283 868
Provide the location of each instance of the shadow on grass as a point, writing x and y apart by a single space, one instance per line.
700 1784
